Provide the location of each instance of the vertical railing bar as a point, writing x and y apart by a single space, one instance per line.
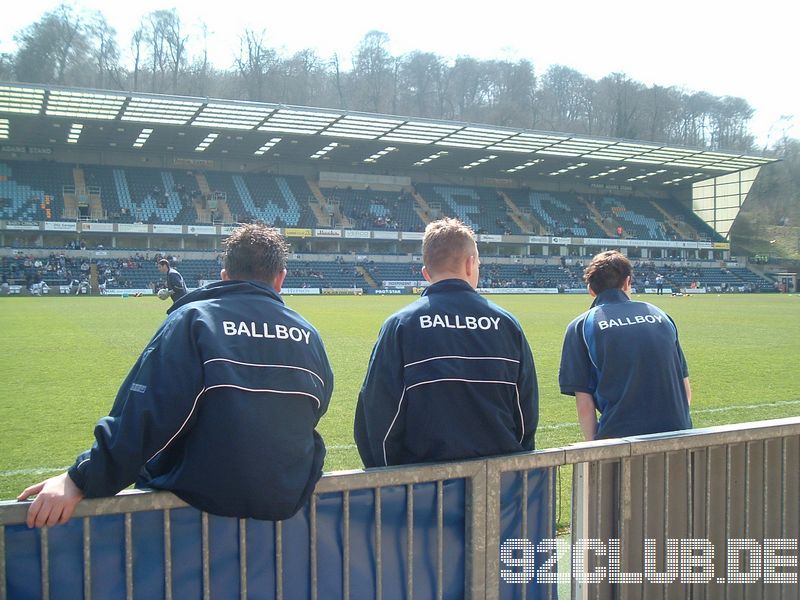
206 557
645 501
524 588
598 518
410 540
689 501
45 547
346 542
87 558
667 533
552 475
747 490
243 559
765 506
167 555
313 547
626 467
378 545
728 485
439 539
3 591
279 560
579 518
708 500
129 556
784 533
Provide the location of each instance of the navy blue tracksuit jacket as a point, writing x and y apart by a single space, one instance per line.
220 408
451 377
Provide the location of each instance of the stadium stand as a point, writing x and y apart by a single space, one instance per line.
370 209
481 208
33 191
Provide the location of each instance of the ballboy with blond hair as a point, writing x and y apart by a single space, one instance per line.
451 375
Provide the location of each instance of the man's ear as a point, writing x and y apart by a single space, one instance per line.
591 291
224 275
470 265
425 274
278 282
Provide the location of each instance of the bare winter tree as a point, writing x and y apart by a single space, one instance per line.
373 72
50 48
255 63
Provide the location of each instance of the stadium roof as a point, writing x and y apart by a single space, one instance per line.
42 116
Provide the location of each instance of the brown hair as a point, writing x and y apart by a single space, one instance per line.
255 252
446 242
607 270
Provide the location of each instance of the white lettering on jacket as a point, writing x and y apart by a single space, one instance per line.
637 320
266 330
459 322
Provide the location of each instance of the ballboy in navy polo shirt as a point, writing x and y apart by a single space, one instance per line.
622 359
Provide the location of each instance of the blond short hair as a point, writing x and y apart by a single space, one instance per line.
446 243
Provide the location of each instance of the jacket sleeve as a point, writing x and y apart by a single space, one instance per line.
528 387
153 408
378 422
575 372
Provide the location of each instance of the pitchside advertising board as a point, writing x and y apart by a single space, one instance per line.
517 290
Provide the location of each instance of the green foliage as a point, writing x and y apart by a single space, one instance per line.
64 359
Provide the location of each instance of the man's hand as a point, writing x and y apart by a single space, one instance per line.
55 503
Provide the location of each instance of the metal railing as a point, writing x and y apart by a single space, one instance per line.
443 531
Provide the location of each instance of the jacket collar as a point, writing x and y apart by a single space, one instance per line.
226 288
610 296
448 285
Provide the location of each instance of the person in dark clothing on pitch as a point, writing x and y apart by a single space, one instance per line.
222 406
451 376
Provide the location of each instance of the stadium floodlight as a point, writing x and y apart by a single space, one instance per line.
4 129
83 105
380 154
430 158
269 144
144 135
480 161
209 139
22 100
74 133
231 116
324 151
161 110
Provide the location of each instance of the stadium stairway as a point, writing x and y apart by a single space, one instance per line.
597 217
423 209
367 277
685 230
318 203
518 217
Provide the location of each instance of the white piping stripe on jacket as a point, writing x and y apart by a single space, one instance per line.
189 416
462 380
244 389
463 358
403 395
388 431
236 362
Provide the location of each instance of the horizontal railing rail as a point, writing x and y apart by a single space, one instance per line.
434 531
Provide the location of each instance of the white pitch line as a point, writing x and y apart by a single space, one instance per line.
551 427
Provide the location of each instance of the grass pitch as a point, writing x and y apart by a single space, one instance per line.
64 358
